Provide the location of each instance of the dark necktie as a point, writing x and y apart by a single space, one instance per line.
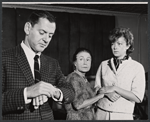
36 69
42 109
37 76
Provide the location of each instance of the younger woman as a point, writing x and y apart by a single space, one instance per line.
120 78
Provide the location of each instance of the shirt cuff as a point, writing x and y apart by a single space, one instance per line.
61 97
25 97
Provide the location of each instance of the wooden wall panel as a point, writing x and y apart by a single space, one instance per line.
9 27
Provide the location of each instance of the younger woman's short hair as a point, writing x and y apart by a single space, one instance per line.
123 32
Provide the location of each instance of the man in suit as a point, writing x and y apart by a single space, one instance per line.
22 97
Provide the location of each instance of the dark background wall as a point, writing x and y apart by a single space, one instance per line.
73 31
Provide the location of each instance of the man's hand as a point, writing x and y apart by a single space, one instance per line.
113 96
41 88
40 100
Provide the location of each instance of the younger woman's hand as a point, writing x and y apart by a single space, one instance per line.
113 96
106 89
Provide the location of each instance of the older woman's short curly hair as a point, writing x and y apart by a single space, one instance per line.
123 32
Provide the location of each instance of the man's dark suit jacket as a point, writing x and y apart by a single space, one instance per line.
17 75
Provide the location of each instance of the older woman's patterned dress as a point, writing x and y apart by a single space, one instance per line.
83 91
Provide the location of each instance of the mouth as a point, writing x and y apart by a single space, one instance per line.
115 51
85 67
42 45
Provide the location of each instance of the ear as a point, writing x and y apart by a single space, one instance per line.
74 63
128 46
27 27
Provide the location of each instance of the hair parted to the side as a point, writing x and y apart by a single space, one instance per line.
123 32
36 15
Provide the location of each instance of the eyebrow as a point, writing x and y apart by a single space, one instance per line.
82 57
45 31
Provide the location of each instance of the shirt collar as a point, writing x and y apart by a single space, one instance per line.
28 51
124 58
112 60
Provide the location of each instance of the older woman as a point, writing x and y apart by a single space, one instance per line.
82 106
120 78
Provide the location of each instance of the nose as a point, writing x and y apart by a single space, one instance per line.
85 62
114 45
46 38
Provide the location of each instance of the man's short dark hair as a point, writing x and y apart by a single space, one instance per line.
36 15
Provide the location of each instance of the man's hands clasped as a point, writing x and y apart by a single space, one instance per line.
40 92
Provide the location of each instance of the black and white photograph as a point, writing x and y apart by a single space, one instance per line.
74 60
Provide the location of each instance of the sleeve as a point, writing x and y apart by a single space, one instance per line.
60 98
80 96
12 100
65 87
98 78
138 84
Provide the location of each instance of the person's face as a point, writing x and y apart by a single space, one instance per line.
119 47
83 62
40 35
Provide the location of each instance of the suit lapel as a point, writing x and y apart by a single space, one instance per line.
24 65
44 70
